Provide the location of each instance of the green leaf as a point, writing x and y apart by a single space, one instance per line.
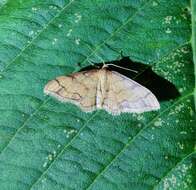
46 145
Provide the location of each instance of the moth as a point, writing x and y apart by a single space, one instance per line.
102 89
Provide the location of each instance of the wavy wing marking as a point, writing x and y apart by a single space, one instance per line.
126 95
78 88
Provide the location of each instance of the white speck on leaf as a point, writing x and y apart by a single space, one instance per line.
177 120
183 133
45 164
168 31
158 123
69 132
78 17
50 157
52 7
54 41
34 9
69 32
181 146
43 180
154 3
31 33
179 107
184 16
140 117
54 153
165 185
168 19
77 41
139 125
181 90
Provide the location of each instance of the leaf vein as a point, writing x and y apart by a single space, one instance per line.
33 39
24 124
173 168
64 148
116 31
133 139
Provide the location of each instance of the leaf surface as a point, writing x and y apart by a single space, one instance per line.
46 145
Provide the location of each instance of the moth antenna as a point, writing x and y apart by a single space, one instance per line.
122 67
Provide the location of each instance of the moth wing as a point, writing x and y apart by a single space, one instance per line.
126 95
78 88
